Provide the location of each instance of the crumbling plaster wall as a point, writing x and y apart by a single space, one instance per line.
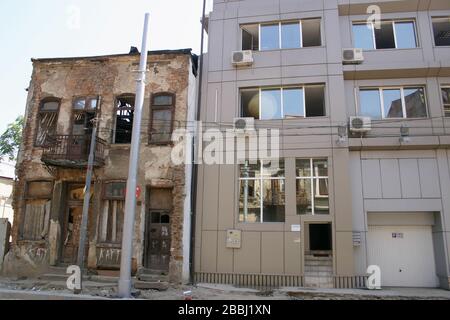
107 77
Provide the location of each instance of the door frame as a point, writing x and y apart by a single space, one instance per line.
68 204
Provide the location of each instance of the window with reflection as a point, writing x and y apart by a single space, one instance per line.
282 35
400 102
283 103
262 192
389 34
312 186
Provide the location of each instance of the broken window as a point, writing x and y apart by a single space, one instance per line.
161 124
38 196
400 102
47 120
262 192
312 186
112 215
441 31
283 103
282 35
124 119
390 35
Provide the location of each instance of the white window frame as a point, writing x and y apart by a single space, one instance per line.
311 178
402 96
261 179
280 23
393 22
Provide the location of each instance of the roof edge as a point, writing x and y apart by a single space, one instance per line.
187 51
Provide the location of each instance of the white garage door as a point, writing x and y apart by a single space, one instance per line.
404 254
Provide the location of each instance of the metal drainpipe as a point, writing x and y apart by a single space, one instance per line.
195 165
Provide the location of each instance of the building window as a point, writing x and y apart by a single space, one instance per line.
84 111
283 103
441 31
47 120
161 124
112 215
390 35
446 100
262 192
38 195
312 186
124 118
399 102
281 35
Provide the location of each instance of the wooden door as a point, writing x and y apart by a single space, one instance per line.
158 240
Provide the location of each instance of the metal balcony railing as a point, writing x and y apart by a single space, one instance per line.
72 151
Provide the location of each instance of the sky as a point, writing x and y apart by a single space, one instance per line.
70 28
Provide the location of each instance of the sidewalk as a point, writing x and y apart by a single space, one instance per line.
35 289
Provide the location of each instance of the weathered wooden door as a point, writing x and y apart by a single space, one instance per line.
158 229
71 228
159 240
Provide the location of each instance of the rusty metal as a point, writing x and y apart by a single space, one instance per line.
72 151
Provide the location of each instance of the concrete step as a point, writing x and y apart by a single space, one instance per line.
314 258
318 273
318 262
310 268
152 277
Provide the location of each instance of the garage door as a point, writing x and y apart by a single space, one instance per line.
404 254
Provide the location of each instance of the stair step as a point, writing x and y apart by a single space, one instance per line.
152 277
313 258
318 268
318 273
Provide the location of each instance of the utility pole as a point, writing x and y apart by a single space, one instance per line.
130 198
87 192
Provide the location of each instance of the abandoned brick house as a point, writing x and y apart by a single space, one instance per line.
64 96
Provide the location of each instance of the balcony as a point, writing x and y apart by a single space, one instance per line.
72 151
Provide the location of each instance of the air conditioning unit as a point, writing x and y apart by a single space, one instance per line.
352 56
242 58
243 125
360 124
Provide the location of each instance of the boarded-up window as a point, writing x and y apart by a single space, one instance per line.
47 120
111 219
161 124
35 224
37 210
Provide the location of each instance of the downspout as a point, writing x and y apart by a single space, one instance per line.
194 164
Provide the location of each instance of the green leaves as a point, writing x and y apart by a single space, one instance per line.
11 138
